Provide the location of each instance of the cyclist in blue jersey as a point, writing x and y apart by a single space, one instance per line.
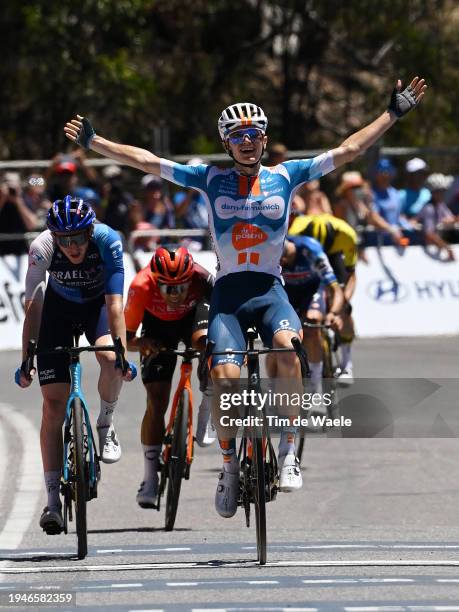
308 276
248 206
84 261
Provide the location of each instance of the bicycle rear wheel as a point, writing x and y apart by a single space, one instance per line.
259 491
80 479
177 459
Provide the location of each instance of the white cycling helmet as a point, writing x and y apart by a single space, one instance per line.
242 114
439 181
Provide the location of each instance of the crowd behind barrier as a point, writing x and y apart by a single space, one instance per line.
410 211
391 205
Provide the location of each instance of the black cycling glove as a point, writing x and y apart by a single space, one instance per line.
401 102
86 134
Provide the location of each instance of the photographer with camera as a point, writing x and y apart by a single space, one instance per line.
15 216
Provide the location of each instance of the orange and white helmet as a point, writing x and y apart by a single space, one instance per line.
172 267
240 115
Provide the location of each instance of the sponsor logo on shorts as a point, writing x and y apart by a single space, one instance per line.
47 374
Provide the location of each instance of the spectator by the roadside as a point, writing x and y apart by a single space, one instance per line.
386 198
157 207
191 211
34 194
355 205
136 223
62 175
277 154
415 196
436 212
116 202
15 216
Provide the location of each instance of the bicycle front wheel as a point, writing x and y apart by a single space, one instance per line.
259 490
79 477
177 459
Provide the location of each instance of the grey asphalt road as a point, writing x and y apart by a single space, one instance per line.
375 527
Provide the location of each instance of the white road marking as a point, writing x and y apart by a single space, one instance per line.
360 546
127 585
200 565
406 608
29 482
356 580
102 551
3 455
253 610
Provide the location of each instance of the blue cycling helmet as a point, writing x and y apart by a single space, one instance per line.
70 215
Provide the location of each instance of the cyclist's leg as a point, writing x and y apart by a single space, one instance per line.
278 325
54 378
346 278
110 380
226 333
347 335
157 373
205 431
313 339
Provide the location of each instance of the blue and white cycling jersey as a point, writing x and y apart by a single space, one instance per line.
101 272
310 262
248 215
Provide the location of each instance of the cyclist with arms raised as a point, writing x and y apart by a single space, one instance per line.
248 208
170 298
85 265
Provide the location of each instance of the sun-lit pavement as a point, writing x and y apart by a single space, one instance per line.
375 525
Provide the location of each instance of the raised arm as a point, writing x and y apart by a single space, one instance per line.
401 102
80 131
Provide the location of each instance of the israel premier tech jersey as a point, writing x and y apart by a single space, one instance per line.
248 215
101 272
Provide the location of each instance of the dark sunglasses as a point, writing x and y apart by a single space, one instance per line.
66 240
168 289
237 138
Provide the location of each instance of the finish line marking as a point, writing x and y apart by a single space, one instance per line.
201 565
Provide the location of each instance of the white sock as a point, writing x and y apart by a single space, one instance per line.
231 466
316 376
346 360
105 418
53 484
287 441
150 461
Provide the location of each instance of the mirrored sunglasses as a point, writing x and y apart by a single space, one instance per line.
238 137
170 289
66 240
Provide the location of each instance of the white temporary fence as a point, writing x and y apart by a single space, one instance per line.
411 293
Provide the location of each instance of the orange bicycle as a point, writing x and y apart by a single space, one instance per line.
178 445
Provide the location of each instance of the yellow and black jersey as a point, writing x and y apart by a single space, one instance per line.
335 235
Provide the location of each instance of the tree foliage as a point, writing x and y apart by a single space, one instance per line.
320 69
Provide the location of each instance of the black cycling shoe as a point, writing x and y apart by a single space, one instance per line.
51 521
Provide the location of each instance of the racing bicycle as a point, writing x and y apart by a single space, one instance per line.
178 445
330 340
259 475
81 464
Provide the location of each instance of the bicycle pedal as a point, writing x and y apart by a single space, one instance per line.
148 506
52 530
